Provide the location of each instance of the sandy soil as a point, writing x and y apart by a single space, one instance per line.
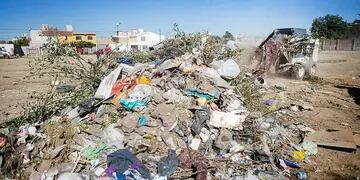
16 87
332 106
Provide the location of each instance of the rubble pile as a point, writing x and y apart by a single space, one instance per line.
177 117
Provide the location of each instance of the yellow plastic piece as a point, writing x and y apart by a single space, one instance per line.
143 80
299 155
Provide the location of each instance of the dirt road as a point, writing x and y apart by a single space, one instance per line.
333 107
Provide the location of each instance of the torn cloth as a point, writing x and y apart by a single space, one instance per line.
190 158
271 54
123 160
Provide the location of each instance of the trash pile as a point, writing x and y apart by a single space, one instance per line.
173 118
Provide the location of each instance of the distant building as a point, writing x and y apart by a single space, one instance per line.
79 36
101 43
39 37
138 39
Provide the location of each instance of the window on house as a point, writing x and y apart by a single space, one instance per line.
78 38
145 47
90 38
143 38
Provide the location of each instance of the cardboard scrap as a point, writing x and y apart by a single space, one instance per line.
340 140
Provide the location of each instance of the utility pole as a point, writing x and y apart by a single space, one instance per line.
160 34
117 28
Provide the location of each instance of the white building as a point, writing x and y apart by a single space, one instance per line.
138 39
37 40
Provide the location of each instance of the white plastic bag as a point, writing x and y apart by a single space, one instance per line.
228 69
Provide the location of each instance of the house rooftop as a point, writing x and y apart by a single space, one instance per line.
88 33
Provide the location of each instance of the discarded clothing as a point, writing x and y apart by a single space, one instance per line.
167 165
193 159
122 160
201 116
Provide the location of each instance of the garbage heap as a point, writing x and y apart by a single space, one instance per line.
174 118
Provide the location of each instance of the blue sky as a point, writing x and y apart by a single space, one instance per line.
254 18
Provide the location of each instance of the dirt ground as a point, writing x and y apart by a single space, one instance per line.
335 108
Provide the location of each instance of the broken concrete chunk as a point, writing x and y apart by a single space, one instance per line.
129 123
176 96
169 140
224 139
226 120
55 152
236 147
113 136
195 143
204 134
294 108
67 176
168 64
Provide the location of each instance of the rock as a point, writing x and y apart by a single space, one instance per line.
72 176
303 105
32 130
73 114
204 134
94 129
55 152
83 140
113 136
129 123
133 139
294 108
35 175
168 64
265 125
280 86
167 113
148 130
168 139
236 148
195 143
224 139
175 96
181 143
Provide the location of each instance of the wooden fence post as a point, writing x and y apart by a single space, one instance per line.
353 45
337 44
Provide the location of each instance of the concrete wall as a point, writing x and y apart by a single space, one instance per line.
340 44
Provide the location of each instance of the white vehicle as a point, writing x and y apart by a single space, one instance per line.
4 53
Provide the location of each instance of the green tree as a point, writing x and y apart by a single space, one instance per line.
228 36
330 26
82 44
21 41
